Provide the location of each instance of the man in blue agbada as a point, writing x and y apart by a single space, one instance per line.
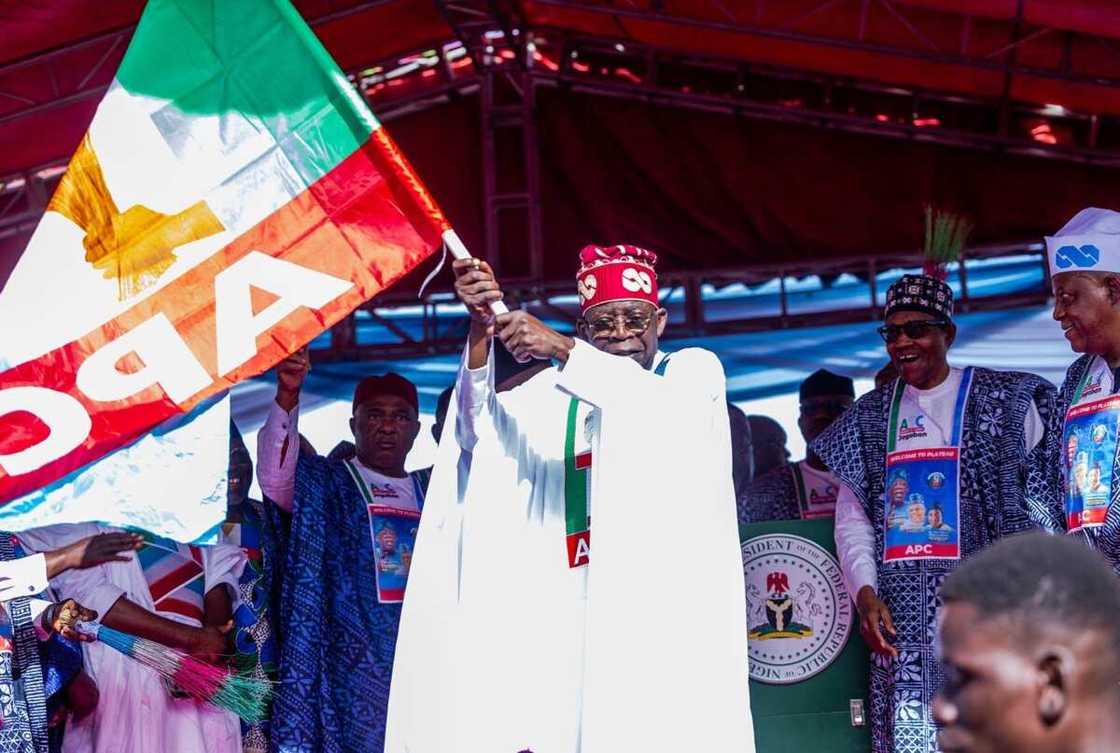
981 444
341 600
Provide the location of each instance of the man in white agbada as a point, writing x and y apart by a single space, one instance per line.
176 594
518 633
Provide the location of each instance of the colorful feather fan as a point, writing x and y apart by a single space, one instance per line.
245 696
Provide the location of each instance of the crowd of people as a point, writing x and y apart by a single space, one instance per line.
996 638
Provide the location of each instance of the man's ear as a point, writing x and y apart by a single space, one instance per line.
950 335
352 429
581 330
1112 287
662 320
1054 668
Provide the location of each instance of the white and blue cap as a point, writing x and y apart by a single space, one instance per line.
1090 242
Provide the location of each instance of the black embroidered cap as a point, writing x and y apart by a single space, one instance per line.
920 293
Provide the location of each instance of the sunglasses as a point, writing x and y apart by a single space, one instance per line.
914 330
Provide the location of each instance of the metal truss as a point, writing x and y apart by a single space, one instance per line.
494 35
924 47
444 333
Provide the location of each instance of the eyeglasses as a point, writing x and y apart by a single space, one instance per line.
604 325
914 330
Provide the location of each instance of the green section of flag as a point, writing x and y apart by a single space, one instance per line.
254 60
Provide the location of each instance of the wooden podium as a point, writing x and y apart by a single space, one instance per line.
808 679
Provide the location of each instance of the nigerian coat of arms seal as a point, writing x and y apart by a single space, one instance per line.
799 614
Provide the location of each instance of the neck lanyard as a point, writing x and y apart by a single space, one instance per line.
363 487
958 411
1084 380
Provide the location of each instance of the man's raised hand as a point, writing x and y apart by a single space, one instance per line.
477 289
290 374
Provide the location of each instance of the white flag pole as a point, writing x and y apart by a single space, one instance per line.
459 251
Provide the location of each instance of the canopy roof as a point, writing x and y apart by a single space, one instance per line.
59 54
720 132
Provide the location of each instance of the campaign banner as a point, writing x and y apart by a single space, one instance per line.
394 539
921 506
1089 438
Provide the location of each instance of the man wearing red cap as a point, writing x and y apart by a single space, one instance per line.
523 631
344 582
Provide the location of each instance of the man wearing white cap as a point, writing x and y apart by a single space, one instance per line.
1084 261
522 630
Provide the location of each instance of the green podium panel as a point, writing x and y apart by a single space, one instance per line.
809 666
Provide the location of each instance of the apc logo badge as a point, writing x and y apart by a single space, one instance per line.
1084 257
917 429
799 615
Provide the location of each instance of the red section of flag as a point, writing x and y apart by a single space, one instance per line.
413 197
583 461
350 224
20 430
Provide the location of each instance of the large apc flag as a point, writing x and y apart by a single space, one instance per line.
232 198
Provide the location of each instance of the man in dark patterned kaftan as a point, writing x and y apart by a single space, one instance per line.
804 490
933 468
1085 271
353 528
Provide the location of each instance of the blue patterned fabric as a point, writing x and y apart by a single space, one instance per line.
259 529
772 496
338 642
1105 539
1004 490
53 664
